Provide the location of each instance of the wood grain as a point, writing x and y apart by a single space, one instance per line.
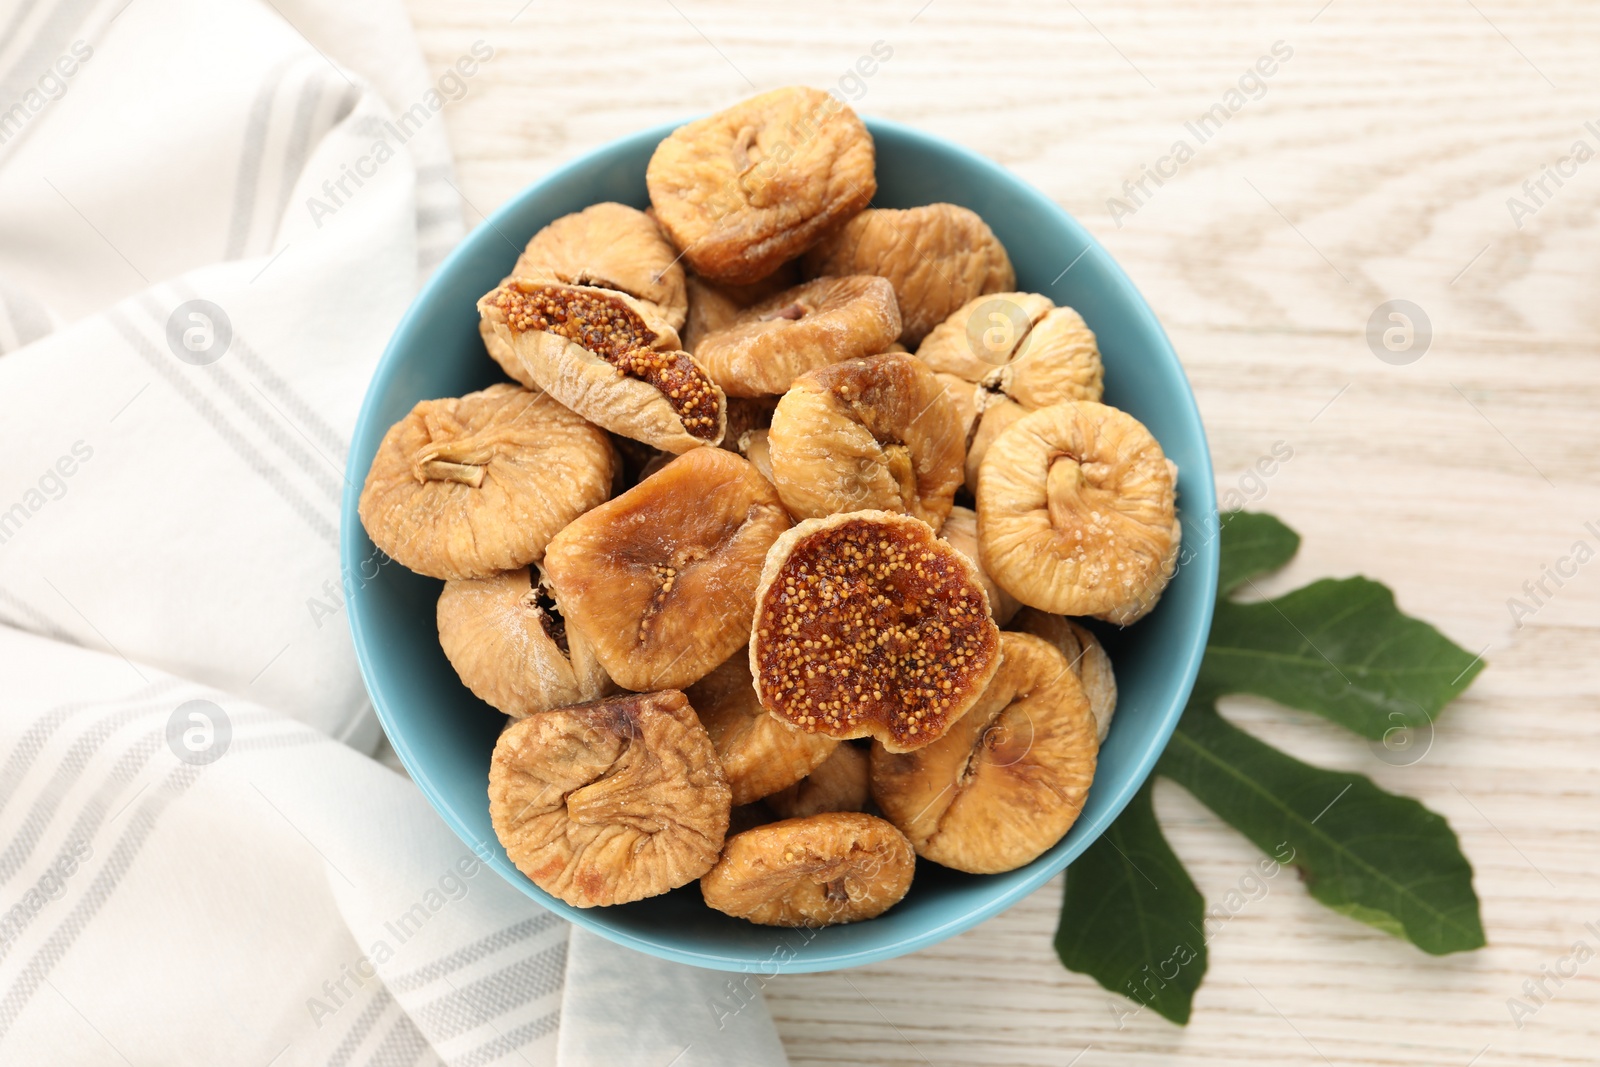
1376 164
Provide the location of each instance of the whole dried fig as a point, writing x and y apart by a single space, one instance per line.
1088 658
1076 513
465 487
938 256
662 580
961 530
837 867
1009 778
506 638
759 754
611 801
876 433
838 783
608 357
1022 353
769 345
609 246
867 625
745 189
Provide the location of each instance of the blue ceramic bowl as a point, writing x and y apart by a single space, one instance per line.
444 735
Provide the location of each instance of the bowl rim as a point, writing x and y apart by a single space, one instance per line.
1199 509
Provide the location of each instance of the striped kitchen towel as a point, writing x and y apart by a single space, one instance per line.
212 214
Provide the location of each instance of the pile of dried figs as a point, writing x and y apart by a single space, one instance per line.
770 553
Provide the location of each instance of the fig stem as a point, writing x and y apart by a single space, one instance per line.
439 470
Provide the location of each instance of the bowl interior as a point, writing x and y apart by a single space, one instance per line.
444 735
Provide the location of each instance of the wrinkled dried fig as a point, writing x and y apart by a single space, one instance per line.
506 638
612 801
838 867
1076 513
867 625
609 246
1009 778
877 433
961 530
769 345
608 357
839 783
1022 353
938 256
759 754
465 487
662 580
1088 658
745 189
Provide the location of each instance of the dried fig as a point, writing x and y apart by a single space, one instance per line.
759 754
769 345
876 433
938 256
1009 778
1022 353
961 530
609 246
1076 513
867 625
1088 658
744 190
506 638
608 357
611 801
837 867
838 783
465 487
662 580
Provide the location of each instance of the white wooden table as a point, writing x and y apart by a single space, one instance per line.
1374 163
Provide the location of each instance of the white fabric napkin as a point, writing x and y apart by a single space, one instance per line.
202 251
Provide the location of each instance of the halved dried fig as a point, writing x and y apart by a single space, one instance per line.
839 867
1088 658
506 638
938 256
611 801
838 783
1076 513
769 345
745 189
607 356
465 487
662 580
1022 353
877 433
867 625
961 530
759 754
1009 778
609 246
